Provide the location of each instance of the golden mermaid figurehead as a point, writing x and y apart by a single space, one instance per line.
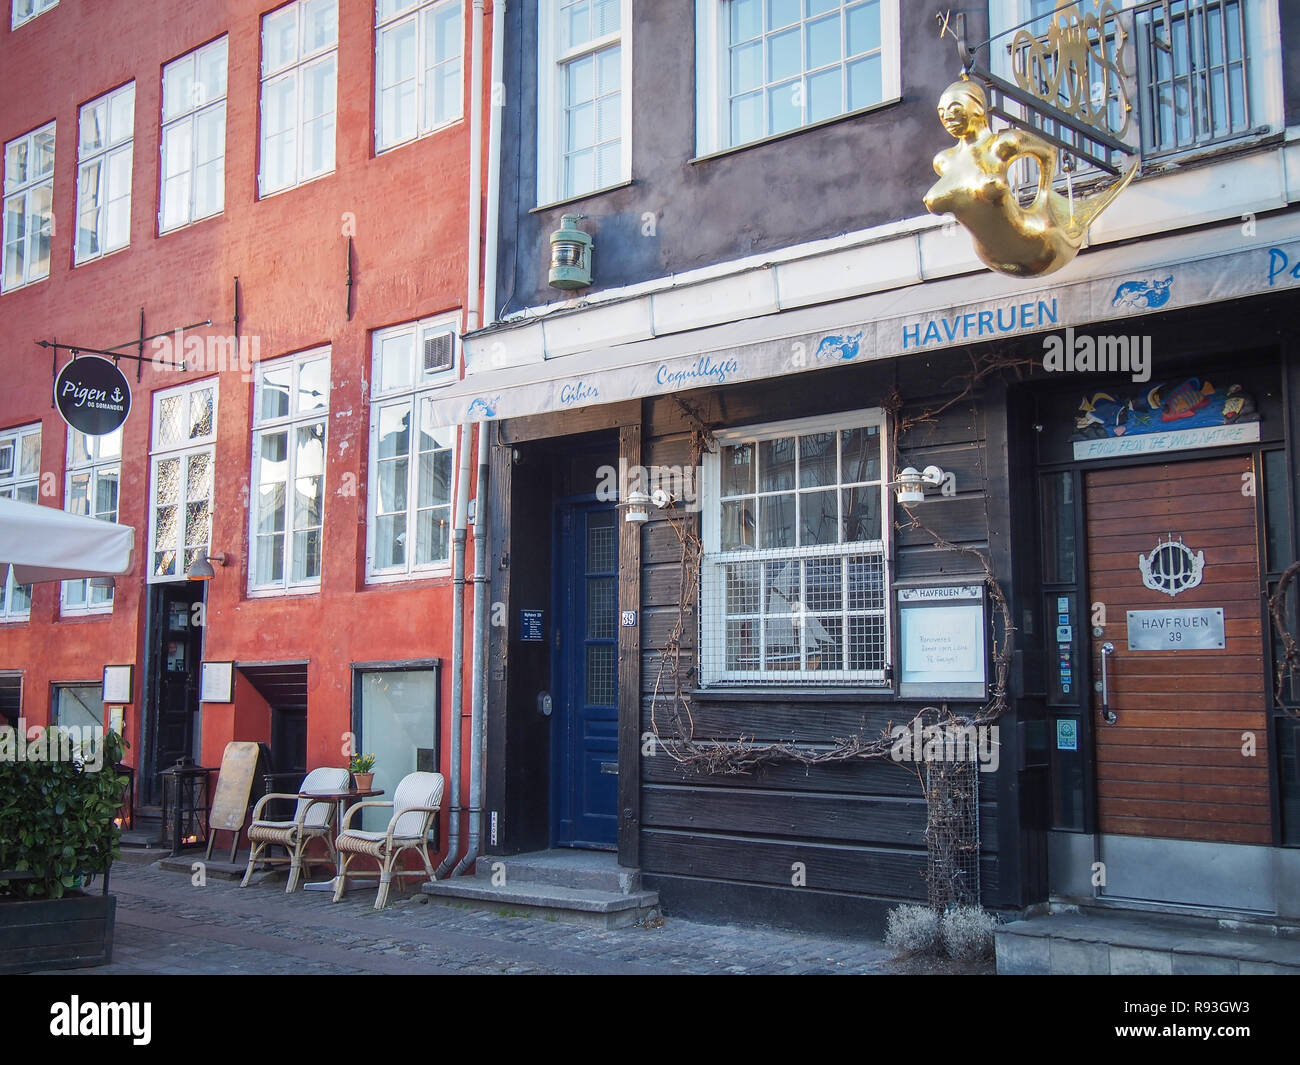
976 188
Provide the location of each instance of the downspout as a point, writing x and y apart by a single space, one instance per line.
472 305
478 698
495 115
474 265
457 647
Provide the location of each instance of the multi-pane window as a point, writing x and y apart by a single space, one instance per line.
411 457
26 10
94 473
20 479
771 66
583 96
181 466
28 207
104 154
417 67
193 136
78 705
794 572
290 419
299 75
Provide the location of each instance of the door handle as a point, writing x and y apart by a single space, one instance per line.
1108 715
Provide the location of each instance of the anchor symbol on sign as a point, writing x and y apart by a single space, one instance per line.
117 396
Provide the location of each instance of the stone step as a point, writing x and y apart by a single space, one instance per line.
141 855
552 902
1126 942
563 867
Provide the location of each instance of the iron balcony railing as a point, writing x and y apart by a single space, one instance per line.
1193 74
1188 78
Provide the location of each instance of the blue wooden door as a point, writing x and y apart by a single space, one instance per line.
584 737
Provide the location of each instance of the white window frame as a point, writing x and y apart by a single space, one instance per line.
183 450
382 397
421 13
94 600
39 7
551 135
104 156
295 69
712 77
12 482
198 108
27 189
289 424
712 621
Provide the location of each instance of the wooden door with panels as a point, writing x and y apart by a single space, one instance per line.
1181 722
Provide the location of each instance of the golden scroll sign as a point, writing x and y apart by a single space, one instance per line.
975 177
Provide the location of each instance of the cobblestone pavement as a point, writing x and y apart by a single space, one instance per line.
165 925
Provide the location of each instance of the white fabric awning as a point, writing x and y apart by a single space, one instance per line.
44 544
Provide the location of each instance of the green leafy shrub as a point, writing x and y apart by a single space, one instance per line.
57 821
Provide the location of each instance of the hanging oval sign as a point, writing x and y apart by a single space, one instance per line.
92 395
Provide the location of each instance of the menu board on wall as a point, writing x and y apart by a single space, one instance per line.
941 642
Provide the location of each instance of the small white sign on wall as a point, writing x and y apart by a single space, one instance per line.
942 643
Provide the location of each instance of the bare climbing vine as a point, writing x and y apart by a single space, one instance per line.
745 754
1288 662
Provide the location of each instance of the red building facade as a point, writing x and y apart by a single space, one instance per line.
299 177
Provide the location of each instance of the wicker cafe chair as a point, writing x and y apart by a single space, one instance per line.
312 819
414 805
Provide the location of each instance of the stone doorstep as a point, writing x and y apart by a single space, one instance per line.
563 867
1115 942
218 869
602 909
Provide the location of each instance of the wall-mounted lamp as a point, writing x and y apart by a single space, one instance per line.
637 507
571 254
101 582
911 483
201 568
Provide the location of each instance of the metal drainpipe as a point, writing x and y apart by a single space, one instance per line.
495 115
478 661
474 260
457 648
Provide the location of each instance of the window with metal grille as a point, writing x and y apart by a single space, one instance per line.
1193 71
794 581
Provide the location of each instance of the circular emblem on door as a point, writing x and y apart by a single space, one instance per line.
1171 567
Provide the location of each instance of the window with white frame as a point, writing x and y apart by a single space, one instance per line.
290 420
418 85
181 469
93 475
193 136
26 10
794 574
20 479
28 207
766 67
411 457
299 76
104 153
584 98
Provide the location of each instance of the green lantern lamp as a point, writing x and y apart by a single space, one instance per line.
571 250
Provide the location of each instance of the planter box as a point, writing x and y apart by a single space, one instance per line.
73 932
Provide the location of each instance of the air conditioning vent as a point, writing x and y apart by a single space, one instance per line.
437 352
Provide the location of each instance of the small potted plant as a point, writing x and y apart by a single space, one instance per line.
362 769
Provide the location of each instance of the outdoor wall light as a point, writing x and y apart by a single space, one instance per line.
201 568
101 582
911 483
571 253
637 506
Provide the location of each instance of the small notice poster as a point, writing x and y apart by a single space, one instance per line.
530 626
942 642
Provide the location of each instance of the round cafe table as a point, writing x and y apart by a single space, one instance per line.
342 800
